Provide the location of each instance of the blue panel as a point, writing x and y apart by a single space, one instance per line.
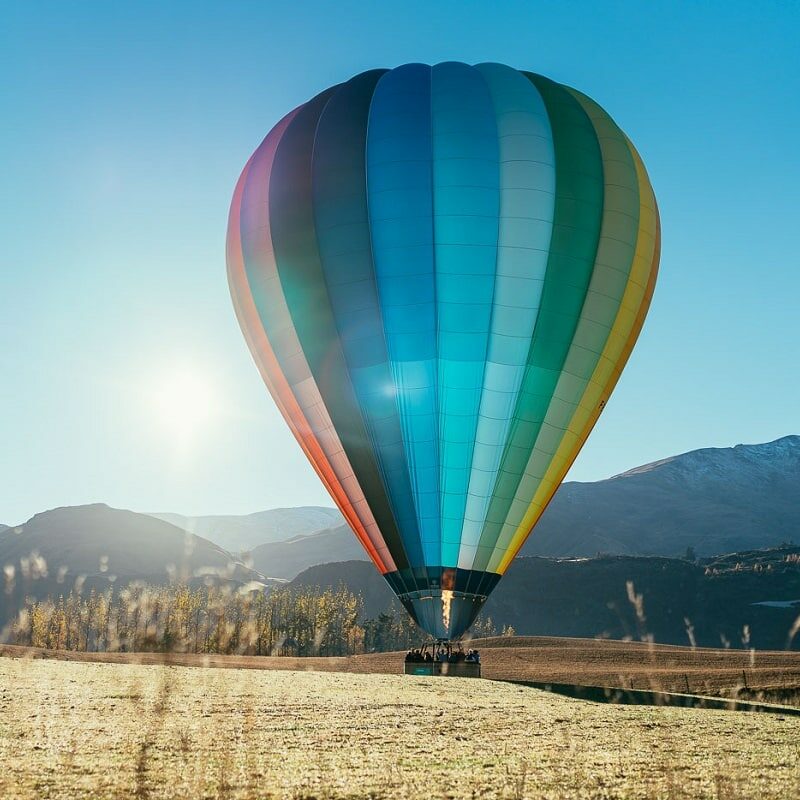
466 199
342 227
400 196
527 200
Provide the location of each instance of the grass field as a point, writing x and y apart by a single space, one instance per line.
73 729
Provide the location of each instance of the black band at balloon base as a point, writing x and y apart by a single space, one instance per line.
444 615
434 579
443 601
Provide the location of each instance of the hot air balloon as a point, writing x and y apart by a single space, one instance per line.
440 272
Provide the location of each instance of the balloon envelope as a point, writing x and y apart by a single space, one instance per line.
441 272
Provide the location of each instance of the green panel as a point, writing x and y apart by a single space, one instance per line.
576 231
612 268
466 202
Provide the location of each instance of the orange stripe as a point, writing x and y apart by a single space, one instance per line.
281 392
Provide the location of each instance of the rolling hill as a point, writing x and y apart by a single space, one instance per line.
359 577
288 559
98 546
749 599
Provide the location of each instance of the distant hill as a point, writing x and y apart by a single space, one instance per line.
287 559
716 500
100 545
715 601
744 599
360 577
244 533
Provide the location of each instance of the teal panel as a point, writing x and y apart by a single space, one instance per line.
466 200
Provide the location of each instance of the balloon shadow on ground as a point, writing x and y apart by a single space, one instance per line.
642 697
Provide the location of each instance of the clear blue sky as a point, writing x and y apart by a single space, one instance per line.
125 127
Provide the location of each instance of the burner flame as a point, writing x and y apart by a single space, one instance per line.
447 599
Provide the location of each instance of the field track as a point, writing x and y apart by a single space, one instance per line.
769 675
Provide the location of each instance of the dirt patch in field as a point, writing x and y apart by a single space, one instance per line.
637 665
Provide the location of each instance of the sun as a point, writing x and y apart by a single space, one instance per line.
184 405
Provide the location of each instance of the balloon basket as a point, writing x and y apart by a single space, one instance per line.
445 669
442 659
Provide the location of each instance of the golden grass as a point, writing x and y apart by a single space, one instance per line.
71 729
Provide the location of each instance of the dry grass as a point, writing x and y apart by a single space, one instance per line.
71 730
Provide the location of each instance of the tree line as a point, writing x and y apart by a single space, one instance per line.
220 620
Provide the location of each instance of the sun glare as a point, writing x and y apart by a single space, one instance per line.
184 405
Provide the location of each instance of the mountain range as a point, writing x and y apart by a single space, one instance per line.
712 501
715 500
290 558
